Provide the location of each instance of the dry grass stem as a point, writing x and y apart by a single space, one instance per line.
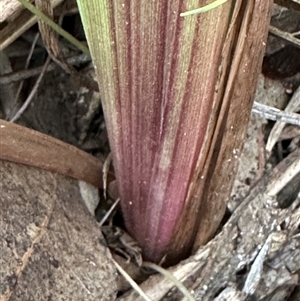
132 282
168 275
23 74
272 113
291 37
109 212
25 68
32 93
293 105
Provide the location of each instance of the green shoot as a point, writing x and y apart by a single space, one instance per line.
203 9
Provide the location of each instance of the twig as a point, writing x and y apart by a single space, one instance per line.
293 105
23 74
290 4
25 68
32 93
273 188
290 37
275 114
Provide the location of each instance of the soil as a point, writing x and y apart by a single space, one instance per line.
62 109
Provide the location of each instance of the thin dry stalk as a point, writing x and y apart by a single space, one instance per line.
293 105
32 93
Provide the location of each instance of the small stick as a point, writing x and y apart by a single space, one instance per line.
275 114
290 37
